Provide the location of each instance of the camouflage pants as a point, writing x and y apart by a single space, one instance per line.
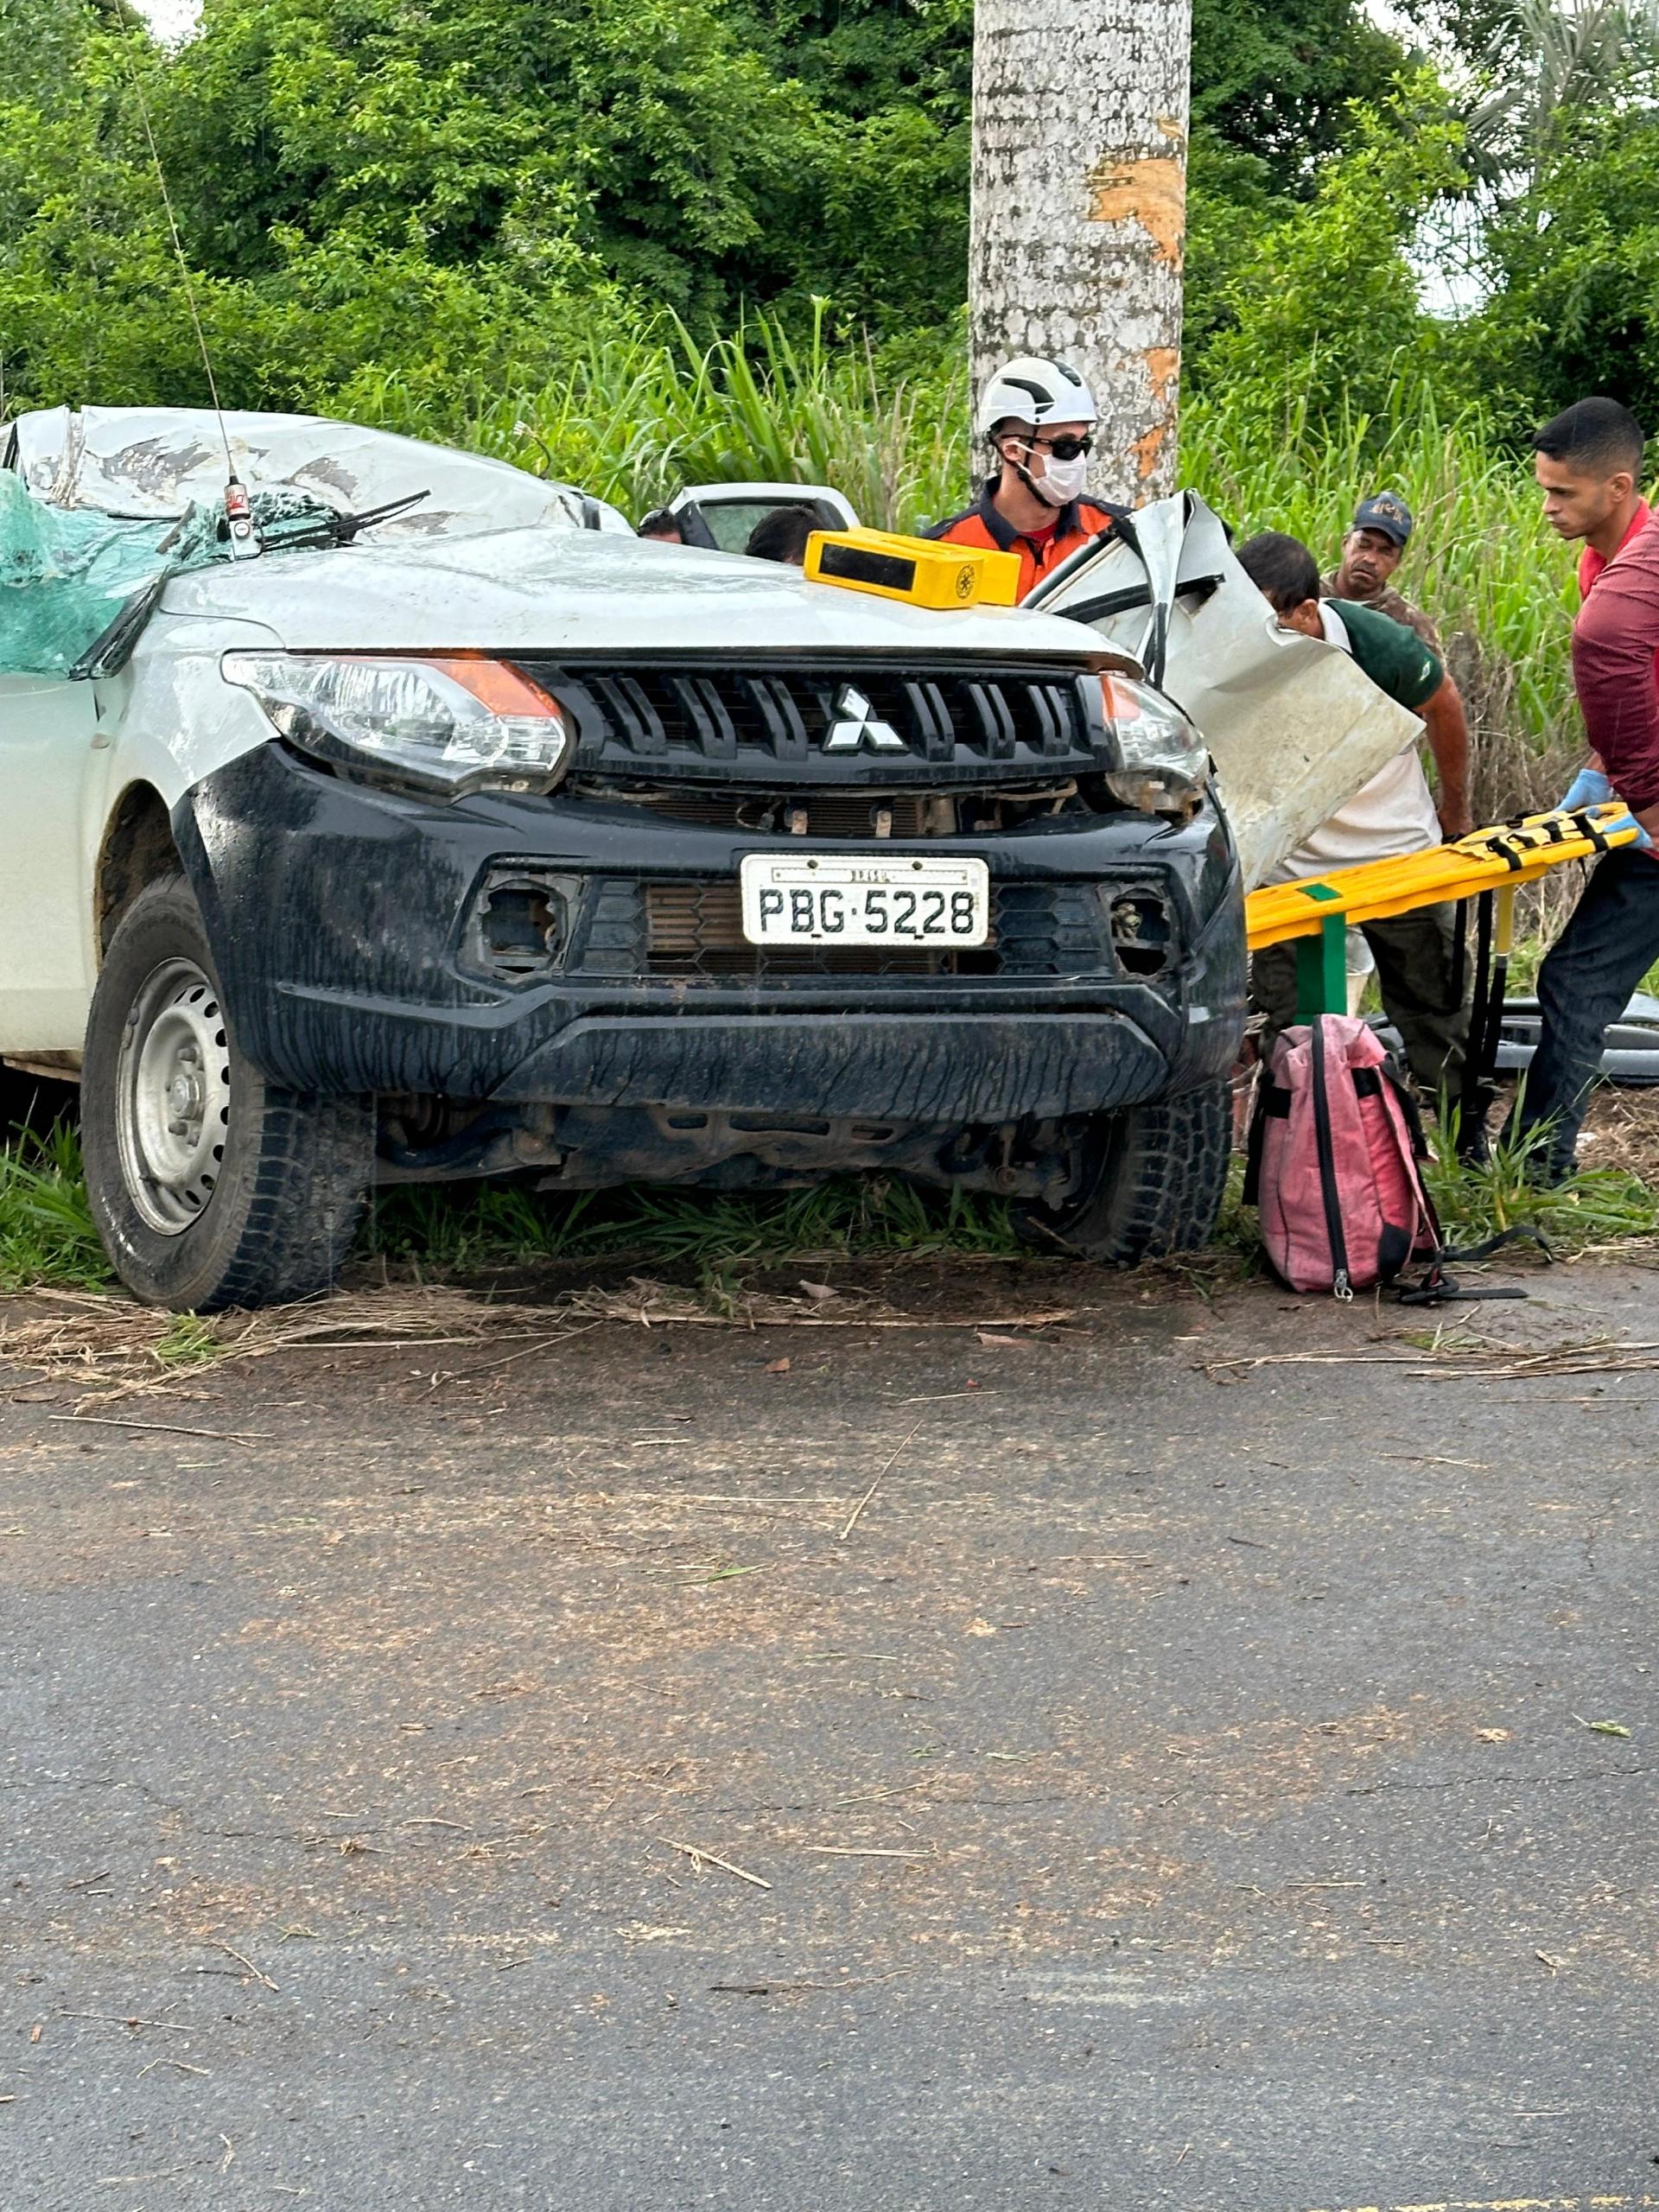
1416 957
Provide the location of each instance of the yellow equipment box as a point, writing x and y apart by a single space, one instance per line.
920 570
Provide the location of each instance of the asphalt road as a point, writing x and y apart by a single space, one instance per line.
1174 1789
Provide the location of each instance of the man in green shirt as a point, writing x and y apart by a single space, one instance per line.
1395 813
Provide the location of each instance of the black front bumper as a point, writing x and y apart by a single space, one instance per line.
344 921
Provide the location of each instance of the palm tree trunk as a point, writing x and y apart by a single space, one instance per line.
1079 207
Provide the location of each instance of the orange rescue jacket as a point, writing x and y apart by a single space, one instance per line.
1074 524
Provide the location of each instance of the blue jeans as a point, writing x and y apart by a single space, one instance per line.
1607 947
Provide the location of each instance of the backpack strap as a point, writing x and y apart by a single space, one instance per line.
1272 1103
1406 1097
1325 1148
1488 1245
1388 1075
1439 1288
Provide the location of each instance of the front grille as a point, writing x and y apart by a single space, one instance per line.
696 929
817 814
838 813
691 930
861 724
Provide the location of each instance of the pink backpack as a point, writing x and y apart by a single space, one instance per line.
1333 1175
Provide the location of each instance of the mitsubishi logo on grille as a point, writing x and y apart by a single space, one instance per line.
853 725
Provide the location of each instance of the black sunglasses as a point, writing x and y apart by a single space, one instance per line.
1065 449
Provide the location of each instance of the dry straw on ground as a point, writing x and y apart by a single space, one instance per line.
90 1351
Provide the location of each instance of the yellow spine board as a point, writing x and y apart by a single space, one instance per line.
918 569
1509 853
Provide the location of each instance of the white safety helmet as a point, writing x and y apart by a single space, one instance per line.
1032 391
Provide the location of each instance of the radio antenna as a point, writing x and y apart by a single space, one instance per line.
243 536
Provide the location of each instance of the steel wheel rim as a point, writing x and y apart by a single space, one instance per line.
173 1096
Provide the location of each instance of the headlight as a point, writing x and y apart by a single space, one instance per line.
447 725
1164 764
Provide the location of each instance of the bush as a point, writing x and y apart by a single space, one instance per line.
1575 268
1325 304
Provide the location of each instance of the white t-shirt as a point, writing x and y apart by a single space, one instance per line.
1391 815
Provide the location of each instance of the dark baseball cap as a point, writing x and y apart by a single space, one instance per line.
1387 511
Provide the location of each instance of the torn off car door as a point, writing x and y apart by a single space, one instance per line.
1294 728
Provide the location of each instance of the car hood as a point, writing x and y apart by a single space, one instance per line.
557 592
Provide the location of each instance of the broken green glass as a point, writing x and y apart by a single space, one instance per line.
77 587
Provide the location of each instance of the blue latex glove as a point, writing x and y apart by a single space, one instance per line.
1643 843
1588 788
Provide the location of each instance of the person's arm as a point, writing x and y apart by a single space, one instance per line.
1447 727
1398 662
1613 646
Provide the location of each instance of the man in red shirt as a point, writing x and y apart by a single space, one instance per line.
1039 417
1588 460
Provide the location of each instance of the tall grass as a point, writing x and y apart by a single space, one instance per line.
1483 561
1509 1189
634 417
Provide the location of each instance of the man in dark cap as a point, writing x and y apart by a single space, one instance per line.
1371 553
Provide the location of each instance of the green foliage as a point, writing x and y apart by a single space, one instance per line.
865 58
1576 261
882 220
46 1235
1232 212
1549 62
188 1341
634 417
471 1226
365 187
433 190
879 222
1278 83
644 141
1482 558
1600 1205
1327 303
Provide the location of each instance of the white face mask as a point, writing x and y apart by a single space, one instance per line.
1061 481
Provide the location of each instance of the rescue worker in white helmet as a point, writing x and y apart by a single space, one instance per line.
1039 419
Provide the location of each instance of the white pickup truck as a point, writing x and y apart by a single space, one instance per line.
423 822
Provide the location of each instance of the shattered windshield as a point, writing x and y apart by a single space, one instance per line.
78 585
100 506
152 463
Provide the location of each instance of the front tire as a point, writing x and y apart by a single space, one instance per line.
210 1186
1159 1184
